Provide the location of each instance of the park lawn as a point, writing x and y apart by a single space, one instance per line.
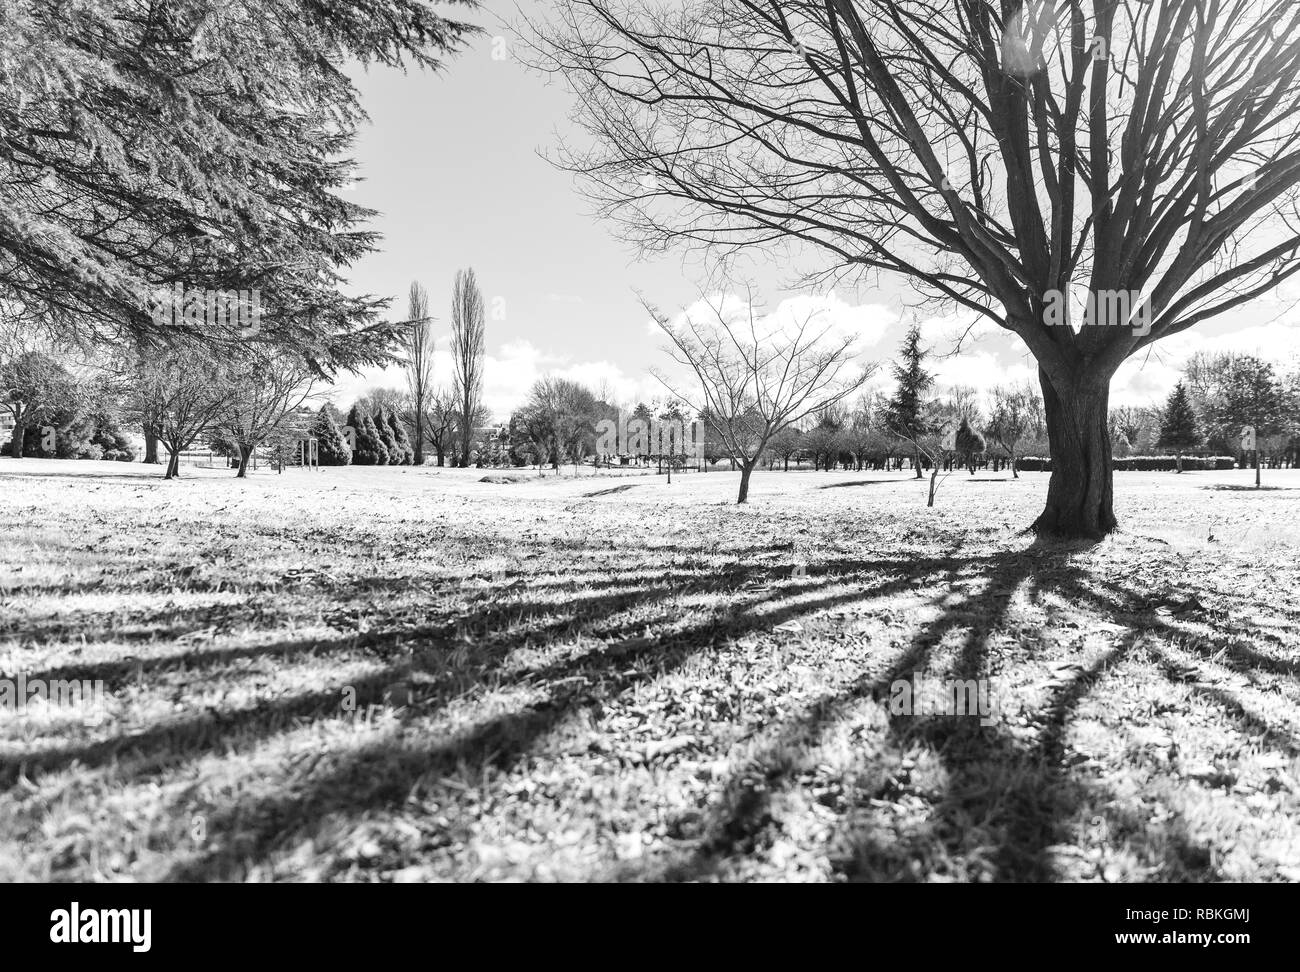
408 675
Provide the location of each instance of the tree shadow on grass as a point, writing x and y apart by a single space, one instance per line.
1015 790
426 648
1018 790
866 482
385 773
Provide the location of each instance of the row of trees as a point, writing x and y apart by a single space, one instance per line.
445 417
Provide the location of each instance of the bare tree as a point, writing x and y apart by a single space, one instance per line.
467 349
997 156
419 346
183 391
267 387
756 376
1017 413
561 416
439 423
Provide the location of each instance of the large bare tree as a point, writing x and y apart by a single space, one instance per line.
468 323
1001 158
756 375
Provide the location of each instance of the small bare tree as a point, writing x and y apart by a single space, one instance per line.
756 375
439 423
183 390
1017 413
266 390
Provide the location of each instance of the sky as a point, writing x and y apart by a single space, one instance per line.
454 163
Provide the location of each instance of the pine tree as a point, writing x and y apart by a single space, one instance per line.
1179 429
905 412
331 445
406 454
195 142
969 443
380 416
369 449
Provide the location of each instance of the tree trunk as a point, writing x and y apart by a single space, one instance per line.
916 461
244 453
1014 473
173 465
151 445
419 437
1080 494
16 440
745 469
934 485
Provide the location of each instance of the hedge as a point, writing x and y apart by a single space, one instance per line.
1141 463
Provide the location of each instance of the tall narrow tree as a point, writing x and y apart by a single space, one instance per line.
468 326
418 343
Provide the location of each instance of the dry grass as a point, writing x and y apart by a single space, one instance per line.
573 679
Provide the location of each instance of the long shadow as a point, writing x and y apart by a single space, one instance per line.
177 740
864 482
611 491
1021 792
750 792
384 774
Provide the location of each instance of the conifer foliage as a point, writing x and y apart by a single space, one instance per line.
200 145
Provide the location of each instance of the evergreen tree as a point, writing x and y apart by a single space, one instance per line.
1179 429
332 447
405 452
380 416
905 412
369 447
200 142
969 443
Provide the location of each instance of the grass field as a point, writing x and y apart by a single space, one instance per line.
408 675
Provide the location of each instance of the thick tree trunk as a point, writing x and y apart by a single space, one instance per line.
173 465
745 470
1014 473
16 440
1080 497
244 454
916 461
151 445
